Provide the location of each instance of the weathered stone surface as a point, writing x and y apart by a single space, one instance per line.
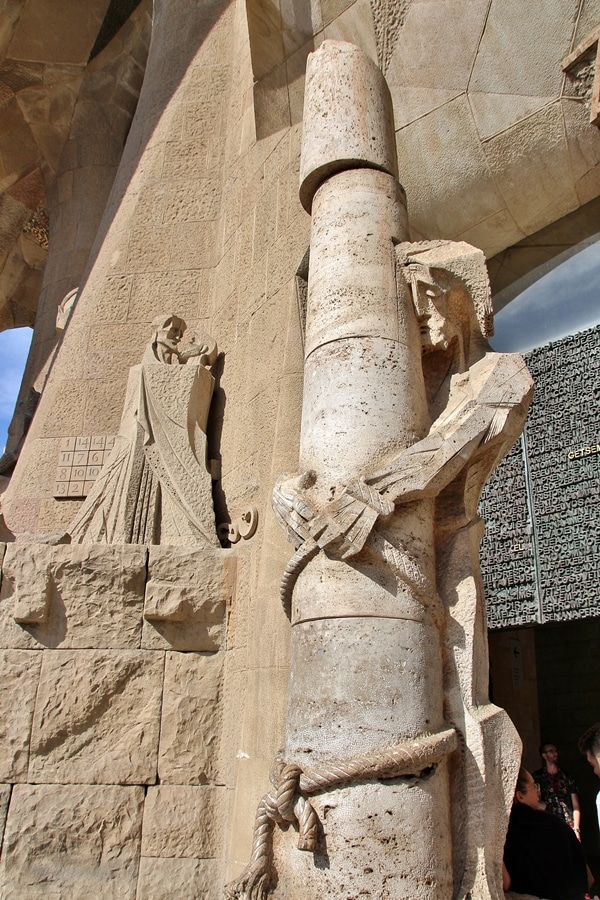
187 595
191 719
5 791
19 673
63 841
193 160
183 821
494 113
424 175
361 95
82 596
412 63
97 717
535 42
186 879
27 570
531 196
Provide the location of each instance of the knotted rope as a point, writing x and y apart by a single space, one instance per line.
288 803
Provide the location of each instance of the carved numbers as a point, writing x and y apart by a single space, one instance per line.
80 460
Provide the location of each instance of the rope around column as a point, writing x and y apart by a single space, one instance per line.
288 803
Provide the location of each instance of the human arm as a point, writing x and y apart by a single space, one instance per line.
202 346
485 413
505 878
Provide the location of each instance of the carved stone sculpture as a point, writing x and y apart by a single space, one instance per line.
397 771
156 488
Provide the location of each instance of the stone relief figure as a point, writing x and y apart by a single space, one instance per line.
155 487
397 772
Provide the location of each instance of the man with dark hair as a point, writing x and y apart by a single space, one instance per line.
589 744
557 788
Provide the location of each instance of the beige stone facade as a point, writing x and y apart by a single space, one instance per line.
144 687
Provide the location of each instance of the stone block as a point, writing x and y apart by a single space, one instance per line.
29 572
186 879
191 719
360 123
195 245
331 9
97 717
5 791
519 48
187 595
494 113
72 595
264 711
149 290
537 196
252 775
271 102
265 223
588 187
234 693
414 67
105 401
67 841
492 234
185 159
21 515
19 673
355 25
55 515
194 201
456 159
66 405
149 249
183 821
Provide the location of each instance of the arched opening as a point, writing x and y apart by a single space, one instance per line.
14 348
563 301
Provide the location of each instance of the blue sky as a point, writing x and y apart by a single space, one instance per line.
14 347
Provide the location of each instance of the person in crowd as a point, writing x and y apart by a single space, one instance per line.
542 856
557 788
589 744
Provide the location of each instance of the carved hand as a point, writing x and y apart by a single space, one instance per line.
341 526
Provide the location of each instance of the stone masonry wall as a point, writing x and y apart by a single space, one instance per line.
111 753
204 221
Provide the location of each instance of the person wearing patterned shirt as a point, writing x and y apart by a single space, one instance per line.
557 789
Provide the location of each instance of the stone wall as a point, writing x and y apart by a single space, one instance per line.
204 221
112 750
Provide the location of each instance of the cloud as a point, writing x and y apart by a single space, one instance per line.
562 302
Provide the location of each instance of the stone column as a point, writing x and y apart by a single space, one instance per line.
366 659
